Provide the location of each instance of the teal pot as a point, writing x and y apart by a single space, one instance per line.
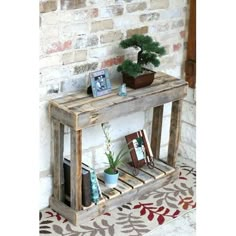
111 179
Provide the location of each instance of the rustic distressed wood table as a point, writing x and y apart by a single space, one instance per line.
79 110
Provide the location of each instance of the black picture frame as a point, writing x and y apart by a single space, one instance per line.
139 145
100 83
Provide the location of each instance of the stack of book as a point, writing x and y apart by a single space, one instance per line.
91 191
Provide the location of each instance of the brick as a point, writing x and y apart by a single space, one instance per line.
177 47
113 61
111 11
48 6
159 4
72 4
182 34
49 19
111 37
99 52
163 26
73 85
177 24
71 30
149 17
59 46
86 41
101 25
132 7
75 56
86 67
142 30
83 15
48 61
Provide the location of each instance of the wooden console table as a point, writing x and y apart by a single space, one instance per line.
79 110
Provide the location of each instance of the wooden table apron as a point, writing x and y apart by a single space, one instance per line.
78 111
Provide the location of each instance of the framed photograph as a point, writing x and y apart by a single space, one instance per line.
141 152
100 83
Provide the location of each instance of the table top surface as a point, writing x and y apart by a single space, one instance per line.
80 103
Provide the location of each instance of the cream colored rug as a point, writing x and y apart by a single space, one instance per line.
135 218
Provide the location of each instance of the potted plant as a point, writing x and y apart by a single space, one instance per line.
135 75
111 174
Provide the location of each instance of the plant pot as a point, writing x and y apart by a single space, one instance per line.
139 81
111 179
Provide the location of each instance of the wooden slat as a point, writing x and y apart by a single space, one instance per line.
155 173
129 179
156 131
57 152
142 176
174 132
163 167
108 192
121 187
76 172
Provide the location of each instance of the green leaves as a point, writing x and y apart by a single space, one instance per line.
148 53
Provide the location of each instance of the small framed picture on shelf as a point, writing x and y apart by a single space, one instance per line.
100 82
139 145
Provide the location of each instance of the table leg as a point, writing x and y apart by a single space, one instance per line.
156 130
174 132
76 173
57 133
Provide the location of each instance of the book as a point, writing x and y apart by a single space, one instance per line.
86 188
96 192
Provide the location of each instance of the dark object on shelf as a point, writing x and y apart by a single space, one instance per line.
86 192
140 81
89 90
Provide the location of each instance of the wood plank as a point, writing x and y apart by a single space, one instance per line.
121 187
64 210
129 179
156 131
163 166
76 169
155 173
174 132
57 142
108 192
90 118
142 176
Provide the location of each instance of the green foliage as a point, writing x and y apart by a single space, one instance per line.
113 160
149 52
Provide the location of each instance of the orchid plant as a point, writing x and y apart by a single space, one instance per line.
113 160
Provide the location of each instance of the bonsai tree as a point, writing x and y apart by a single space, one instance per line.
149 51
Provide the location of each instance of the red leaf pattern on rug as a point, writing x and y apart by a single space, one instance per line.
147 207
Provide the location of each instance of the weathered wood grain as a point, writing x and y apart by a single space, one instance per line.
155 173
156 131
57 143
87 111
163 167
174 132
142 176
108 192
76 169
129 179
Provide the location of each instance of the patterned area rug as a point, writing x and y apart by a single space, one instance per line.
135 218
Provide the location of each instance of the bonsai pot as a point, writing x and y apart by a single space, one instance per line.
140 81
111 179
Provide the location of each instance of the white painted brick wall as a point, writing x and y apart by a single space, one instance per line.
62 32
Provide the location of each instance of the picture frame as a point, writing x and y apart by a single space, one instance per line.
141 152
100 83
